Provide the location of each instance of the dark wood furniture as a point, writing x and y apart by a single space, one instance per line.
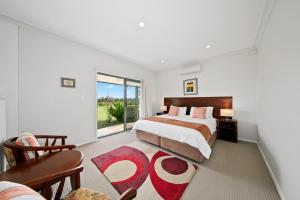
160 113
227 130
41 173
52 167
128 194
49 146
216 102
183 148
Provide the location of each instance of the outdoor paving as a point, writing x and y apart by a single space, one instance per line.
113 129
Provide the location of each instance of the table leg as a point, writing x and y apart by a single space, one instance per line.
75 181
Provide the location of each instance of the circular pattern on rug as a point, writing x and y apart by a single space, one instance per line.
170 175
113 163
168 165
181 178
115 172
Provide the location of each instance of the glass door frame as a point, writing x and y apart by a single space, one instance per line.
126 100
125 96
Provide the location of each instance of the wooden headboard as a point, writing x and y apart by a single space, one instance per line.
216 102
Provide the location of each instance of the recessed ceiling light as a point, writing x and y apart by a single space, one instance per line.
208 46
141 24
162 61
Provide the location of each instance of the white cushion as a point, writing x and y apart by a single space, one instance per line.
209 112
10 190
28 139
182 111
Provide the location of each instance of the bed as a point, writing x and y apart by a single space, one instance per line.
182 140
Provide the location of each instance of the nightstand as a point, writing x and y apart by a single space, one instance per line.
160 113
227 130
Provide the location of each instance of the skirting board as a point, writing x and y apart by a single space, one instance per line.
247 140
268 166
271 172
84 143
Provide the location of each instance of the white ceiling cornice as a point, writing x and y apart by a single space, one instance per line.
269 7
249 50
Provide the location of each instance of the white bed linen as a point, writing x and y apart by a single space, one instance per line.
179 133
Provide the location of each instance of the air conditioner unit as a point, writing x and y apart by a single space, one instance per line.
194 69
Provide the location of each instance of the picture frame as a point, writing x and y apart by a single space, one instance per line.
190 86
68 82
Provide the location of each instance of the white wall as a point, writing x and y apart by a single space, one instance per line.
48 108
2 131
9 74
232 75
2 120
279 97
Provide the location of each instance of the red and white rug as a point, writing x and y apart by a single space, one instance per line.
156 174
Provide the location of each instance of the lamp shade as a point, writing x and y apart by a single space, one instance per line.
163 108
226 112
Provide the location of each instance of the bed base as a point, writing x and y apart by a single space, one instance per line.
175 146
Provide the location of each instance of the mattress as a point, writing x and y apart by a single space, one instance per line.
181 134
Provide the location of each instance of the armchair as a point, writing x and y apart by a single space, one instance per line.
19 151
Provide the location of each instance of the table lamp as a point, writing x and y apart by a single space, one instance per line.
227 113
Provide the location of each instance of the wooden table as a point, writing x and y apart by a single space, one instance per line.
40 174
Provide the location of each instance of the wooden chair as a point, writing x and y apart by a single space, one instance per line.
19 151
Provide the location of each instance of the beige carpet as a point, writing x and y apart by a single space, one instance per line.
234 171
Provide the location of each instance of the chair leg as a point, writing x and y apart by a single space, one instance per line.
75 181
59 189
47 192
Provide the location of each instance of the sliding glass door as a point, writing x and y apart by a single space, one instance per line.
117 103
132 103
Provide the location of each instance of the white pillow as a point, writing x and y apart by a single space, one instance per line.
208 114
13 190
181 111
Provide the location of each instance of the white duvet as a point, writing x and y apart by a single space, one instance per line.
179 133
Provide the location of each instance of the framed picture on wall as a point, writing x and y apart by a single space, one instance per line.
190 87
68 82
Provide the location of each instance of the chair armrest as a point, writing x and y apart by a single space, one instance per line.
54 137
46 148
51 136
128 194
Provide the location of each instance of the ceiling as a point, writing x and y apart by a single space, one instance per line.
176 31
